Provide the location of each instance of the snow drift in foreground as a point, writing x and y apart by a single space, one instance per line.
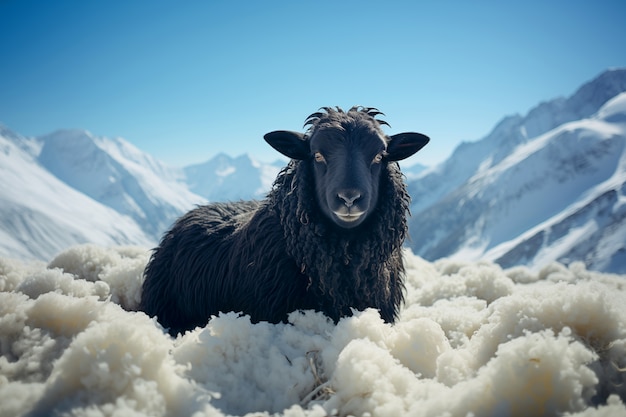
472 338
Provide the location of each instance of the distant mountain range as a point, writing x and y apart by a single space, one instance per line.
224 178
550 185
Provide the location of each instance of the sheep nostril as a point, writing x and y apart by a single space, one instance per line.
349 197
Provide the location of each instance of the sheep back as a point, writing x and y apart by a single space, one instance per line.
222 257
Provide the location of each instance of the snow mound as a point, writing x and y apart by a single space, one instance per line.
472 339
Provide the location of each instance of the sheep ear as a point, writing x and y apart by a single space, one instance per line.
291 144
403 145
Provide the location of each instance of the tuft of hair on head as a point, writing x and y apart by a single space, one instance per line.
337 114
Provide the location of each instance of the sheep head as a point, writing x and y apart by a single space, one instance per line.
348 152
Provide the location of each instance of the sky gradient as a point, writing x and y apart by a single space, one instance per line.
185 81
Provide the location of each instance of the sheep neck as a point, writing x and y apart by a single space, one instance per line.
330 256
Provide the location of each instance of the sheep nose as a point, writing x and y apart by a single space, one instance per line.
349 196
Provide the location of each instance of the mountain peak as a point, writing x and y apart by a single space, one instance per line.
592 95
514 130
586 101
230 178
68 134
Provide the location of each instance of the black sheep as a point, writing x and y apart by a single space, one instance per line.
328 236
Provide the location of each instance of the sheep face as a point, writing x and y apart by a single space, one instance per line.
348 152
347 165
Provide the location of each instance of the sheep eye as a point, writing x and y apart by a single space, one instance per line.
378 158
319 157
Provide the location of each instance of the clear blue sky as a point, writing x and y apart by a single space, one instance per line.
186 80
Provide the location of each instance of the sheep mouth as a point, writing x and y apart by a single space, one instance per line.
349 217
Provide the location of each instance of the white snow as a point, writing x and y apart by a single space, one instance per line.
225 172
614 110
472 339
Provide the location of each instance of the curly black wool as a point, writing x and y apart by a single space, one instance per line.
346 270
272 257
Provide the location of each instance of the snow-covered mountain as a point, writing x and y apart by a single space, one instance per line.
41 215
224 178
547 186
72 187
120 176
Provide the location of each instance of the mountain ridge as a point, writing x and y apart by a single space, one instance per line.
214 178
458 220
118 175
545 186
40 214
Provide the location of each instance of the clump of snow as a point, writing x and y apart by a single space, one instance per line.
472 339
